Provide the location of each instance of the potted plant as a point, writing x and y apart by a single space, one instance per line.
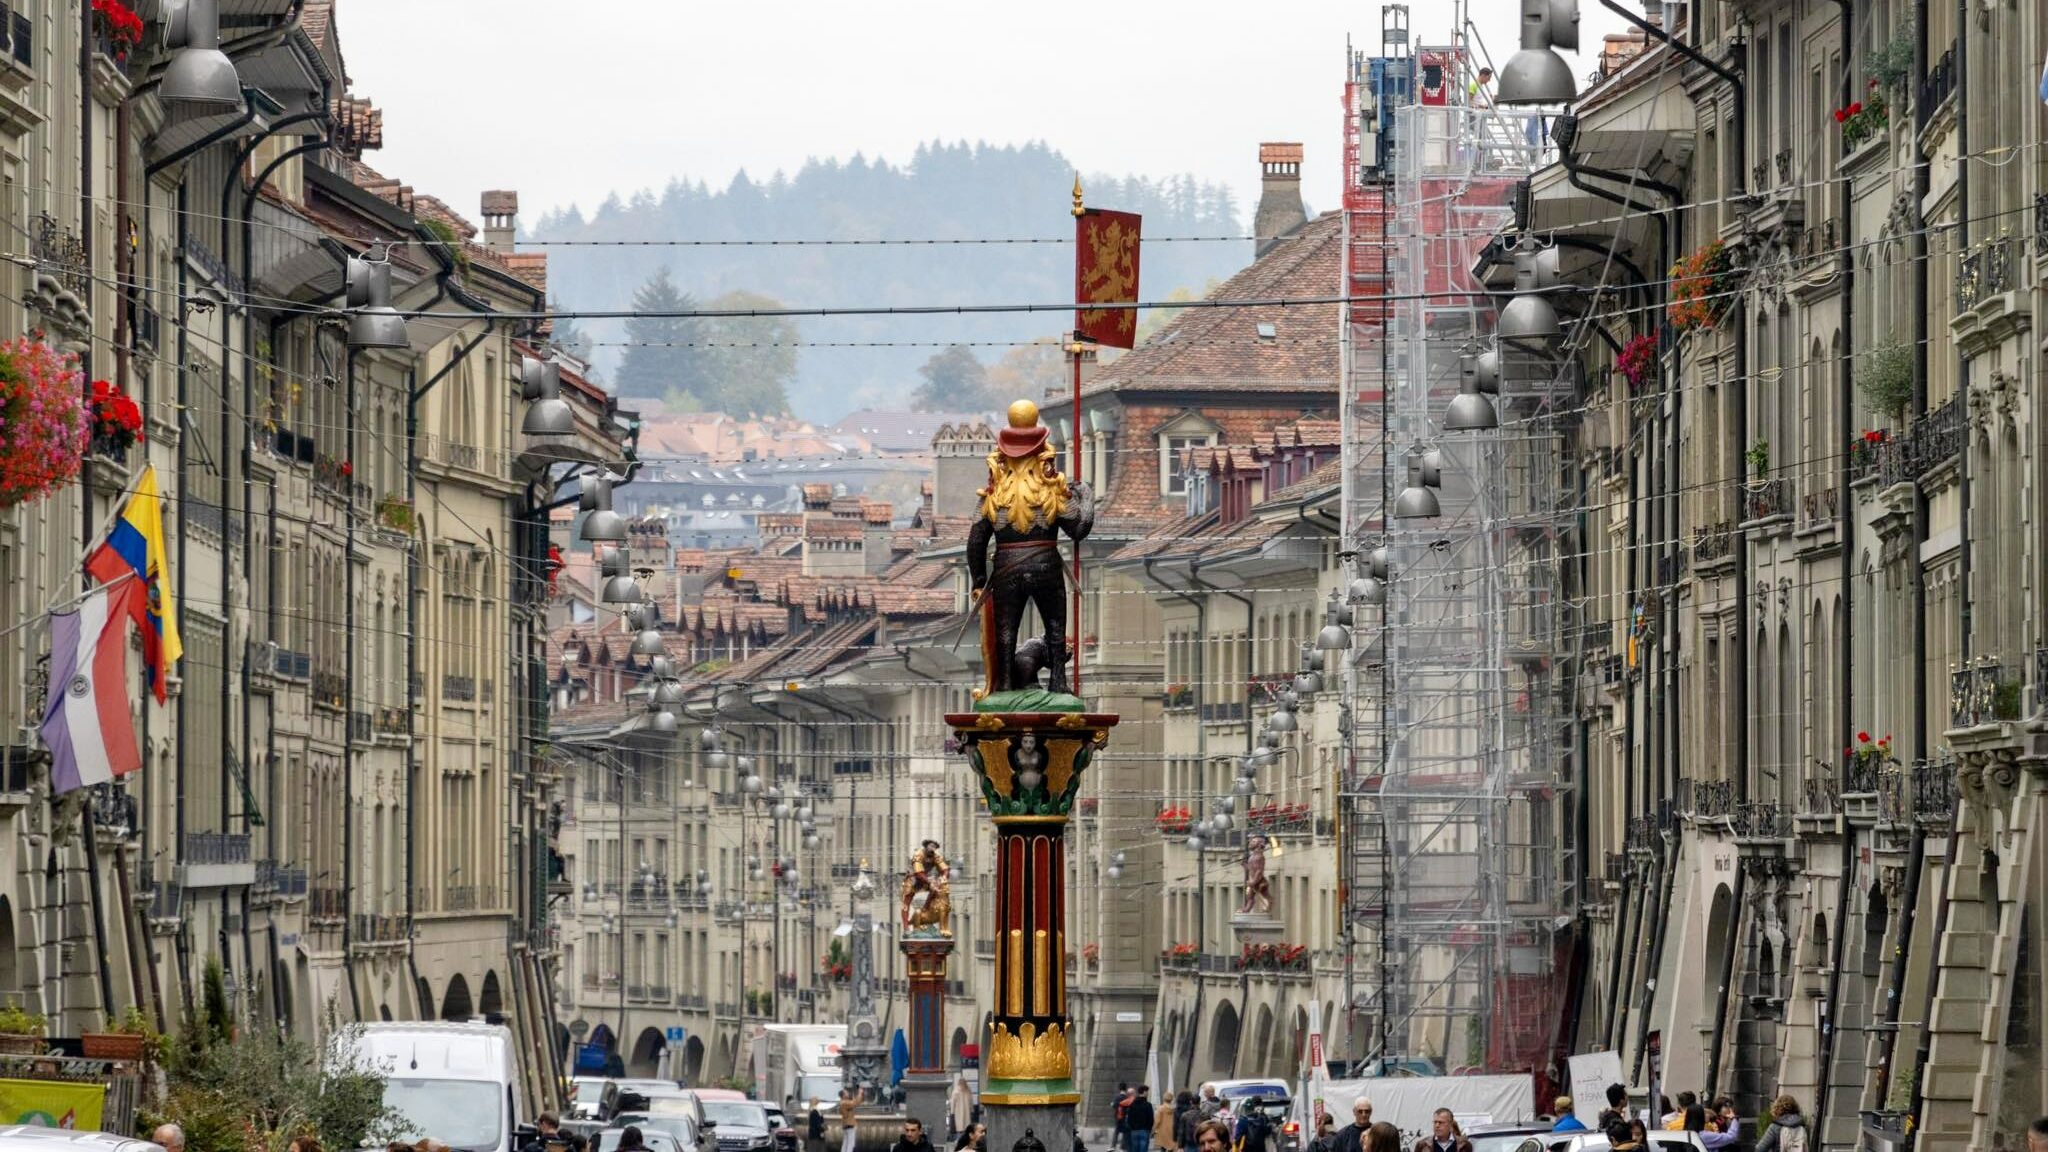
116 421
396 514
132 1037
44 427
1863 454
1758 457
1886 379
118 27
21 1031
1701 284
1638 362
1865 118
1091 954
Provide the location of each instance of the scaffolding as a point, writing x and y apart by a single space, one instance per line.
1457 865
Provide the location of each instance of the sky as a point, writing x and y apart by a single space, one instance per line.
567 101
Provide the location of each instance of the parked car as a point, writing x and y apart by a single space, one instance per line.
1505 1137
785 1135
739 1125
608 1141
1594 1142
37 1138
595 1098
674 1124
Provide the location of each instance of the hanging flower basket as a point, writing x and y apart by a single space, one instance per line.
1864 118
44 425
1701 286
1638 363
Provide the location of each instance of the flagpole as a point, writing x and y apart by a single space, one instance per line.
98 537
60 605
1074 350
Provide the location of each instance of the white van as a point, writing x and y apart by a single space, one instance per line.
458 1083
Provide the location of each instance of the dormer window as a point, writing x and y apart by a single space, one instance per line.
1177 437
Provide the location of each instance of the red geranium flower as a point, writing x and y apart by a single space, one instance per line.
1841 114
347 469
1863 736
1856 108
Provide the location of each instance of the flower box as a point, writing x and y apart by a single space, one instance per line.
1703 284
21 1044
113 1045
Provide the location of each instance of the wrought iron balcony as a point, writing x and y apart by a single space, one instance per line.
63 251
1934 791
1768 498
1936 87
1713 544
1761 820
1933 440
1817 794
214 848
1983 693
1986 270
1707 799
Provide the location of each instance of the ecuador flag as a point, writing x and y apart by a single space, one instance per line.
135 547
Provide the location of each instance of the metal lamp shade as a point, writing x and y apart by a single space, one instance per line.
1536 74
1333 638
604 525
621 590
199 73
1416 503
664 723
1529 318
1282 722
377 328
372 322
1308 683
1470 412
668 692
1244 786
1486 373
647 643
551 416
1376 563
1366 590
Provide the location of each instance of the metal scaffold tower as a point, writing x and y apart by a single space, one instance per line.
1456 866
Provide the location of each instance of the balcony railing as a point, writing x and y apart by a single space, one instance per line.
1707 799
1713 543
1818 796
21 35
63 252
1933 440
1768 498
1940 81
166 900
214 848
1761 820
1819 506
1984 693
327 903
1986 270
458 688
1228 712
371 928
1934 791
394 722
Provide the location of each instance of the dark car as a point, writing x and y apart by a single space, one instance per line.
785 1136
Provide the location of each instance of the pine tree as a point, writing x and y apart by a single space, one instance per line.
661 355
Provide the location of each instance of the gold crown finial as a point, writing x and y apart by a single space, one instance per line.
1023 414
1078 210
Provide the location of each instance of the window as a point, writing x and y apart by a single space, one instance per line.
1173 462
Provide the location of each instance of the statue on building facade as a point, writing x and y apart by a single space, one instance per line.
928 893
1258 891
1025 507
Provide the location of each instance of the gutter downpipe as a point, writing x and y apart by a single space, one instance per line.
1201 607
1844 670
178 590
1251 740
1945 913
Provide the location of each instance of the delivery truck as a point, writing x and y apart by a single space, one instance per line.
795 1064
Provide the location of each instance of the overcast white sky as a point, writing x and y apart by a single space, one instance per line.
569 100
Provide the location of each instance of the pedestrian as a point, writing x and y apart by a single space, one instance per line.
1674 1121
1727 1119
1211 1105
1166 1127
1787 1132
1212 1136
1382 1137
960 1106
170 1137
2037 1135
849 1118
1444 1134
973 1136
1186 1115
1326 1134
1254 1130
1117 1108
1566 1121
629 1141
1351 1137
913 1138
1620 1138
1617 1107
814 1128
1138 1120
1696 1121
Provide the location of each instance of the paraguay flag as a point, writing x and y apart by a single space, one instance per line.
85 724
135 548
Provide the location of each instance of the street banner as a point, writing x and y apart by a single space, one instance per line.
1590 1074
52 1104
1106 272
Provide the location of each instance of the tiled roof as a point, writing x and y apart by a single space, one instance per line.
1328 474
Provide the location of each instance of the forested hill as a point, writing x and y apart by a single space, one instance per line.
950 191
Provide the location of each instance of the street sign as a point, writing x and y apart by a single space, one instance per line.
675 1034
1130 1017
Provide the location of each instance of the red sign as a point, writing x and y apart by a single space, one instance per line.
1106 272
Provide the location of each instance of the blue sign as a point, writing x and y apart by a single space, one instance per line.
675 1034
590 1058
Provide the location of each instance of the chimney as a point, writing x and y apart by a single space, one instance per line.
1280 211
501 220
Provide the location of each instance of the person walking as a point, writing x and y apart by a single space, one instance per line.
1138 1120
1254 1129
1382 1137
960 1106
1351 1137
1187 1114
1444 1134
1117 1109
1166 1128
913 1138
975 1136
1787 1132
849 1118
1566 1121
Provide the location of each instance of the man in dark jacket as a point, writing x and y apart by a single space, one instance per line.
1138 1120
913 1139
1254 1129
1351 1137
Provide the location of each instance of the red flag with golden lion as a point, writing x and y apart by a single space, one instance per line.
1106 272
